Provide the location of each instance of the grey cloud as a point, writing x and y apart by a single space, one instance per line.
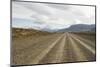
60 7
37 7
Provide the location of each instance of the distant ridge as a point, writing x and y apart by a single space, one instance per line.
72 28
78 28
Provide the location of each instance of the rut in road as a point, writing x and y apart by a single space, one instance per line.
55 55
79 56
85 47
87 41
84 44
47 50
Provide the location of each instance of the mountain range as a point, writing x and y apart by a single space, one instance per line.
74 28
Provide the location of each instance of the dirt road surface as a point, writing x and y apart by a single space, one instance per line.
55 48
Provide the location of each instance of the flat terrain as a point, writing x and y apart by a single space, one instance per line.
36 47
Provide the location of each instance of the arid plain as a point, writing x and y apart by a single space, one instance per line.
37 47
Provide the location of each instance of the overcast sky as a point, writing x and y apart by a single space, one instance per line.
51 16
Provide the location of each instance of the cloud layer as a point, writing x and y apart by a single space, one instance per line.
51 16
